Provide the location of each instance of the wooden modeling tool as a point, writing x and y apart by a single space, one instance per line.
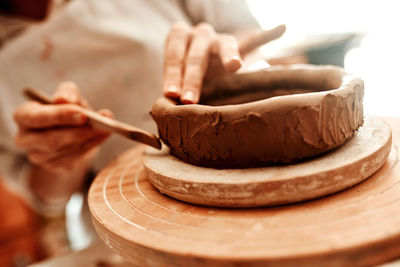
104 123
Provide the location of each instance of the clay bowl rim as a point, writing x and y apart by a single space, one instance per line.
347 83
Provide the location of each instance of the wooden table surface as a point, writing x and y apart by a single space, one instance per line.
356 227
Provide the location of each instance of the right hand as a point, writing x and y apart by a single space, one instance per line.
57 137
196 54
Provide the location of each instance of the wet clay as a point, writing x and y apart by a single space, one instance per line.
295 112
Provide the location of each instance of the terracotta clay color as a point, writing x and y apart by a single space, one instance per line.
308 110
346 166
355 227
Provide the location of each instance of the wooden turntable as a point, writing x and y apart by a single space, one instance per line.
355 227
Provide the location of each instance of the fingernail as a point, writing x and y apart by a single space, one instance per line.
79 118
188 97
236 59
172 89
234 64
60 100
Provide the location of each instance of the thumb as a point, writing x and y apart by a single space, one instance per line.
260 38
68 92
106 113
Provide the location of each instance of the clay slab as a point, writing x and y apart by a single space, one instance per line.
344 167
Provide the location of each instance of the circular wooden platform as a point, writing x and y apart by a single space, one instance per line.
348 165
355 227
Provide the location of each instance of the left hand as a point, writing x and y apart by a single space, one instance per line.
194 54
57 137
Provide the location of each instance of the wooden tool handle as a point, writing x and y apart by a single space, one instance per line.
104 123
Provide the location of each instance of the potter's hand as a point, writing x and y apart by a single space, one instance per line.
194 54
56 136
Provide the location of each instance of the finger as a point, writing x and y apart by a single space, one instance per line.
35 116
175 51
197 63
68 92
228 50
260 38
56 139
65 159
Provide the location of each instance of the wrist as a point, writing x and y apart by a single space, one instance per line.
52 189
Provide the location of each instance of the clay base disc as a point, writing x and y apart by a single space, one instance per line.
348 165
356 227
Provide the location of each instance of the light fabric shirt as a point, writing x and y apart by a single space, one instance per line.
113 50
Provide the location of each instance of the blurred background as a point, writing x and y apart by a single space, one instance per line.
361 36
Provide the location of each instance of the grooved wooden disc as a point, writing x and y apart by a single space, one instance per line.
355 227
348 165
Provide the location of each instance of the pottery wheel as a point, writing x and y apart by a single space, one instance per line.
357 226
346 166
